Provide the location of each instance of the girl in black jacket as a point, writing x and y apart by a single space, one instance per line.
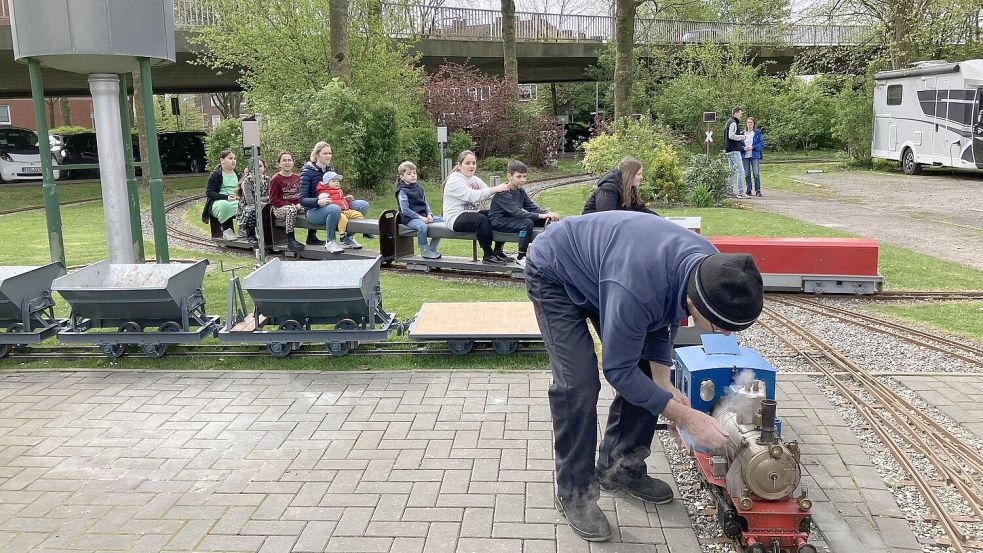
618 190
221 201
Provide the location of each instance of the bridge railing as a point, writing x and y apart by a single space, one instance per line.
421 21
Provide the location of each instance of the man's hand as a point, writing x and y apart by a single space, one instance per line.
705 431
428 219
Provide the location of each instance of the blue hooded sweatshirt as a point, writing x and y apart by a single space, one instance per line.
632 270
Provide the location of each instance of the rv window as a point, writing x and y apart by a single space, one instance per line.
894 95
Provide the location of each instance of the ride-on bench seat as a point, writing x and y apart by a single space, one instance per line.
435 230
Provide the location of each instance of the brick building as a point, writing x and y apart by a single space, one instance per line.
20 113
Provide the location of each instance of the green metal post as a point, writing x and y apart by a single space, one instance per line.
132 188
153 165
52 211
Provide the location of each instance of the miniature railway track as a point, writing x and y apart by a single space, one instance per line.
962 350
895 421
917 296
373 349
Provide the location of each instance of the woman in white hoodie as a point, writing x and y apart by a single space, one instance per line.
463 194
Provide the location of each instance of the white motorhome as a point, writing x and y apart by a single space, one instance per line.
930 114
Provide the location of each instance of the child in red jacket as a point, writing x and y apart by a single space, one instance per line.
330 188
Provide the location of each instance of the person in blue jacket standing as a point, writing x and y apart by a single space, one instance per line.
634 276
754 145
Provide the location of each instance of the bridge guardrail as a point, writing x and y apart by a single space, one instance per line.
439 22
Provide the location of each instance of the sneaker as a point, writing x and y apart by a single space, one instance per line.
521 262
585 518
748 193
229 234
427 253
642 487
369 236
294 245
505 258
492 260
348 241
253 242
313 240
758 193
333 247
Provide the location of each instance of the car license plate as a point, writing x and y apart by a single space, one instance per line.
31 170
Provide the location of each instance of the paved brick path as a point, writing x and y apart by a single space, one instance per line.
244 461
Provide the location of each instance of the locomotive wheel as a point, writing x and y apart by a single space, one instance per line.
156 351
279 349
505 347
460 347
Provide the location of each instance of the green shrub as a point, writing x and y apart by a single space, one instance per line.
226 135
69 130
457 142
655 147
495 164
377 160
706 178
423 150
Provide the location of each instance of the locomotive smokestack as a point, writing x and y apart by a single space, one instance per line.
768 407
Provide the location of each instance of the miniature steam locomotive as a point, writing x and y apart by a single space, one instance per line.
757 482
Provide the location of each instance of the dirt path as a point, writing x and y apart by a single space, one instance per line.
939 215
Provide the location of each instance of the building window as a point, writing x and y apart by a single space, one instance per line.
527 92
4 115
894 95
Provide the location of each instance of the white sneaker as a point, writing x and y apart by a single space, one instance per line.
521 262
228 234
333 247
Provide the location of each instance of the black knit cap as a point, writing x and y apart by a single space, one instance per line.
726 289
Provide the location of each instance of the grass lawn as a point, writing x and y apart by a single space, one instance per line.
960 318
903 269
13 197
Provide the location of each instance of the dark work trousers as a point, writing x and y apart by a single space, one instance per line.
518 226
477 222
573 397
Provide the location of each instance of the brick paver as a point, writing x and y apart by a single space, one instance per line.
278 461
422 461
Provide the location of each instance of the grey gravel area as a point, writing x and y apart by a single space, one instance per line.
893 208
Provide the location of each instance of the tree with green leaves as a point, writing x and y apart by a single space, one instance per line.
338 23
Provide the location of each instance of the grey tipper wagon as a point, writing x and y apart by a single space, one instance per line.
133 298
26 306
293 299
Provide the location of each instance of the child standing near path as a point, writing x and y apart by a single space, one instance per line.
513 211
285 198
414 210
330 188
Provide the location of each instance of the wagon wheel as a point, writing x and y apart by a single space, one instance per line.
460 347
505 347
279 349
292 325
156 351
4 350
16 327
343 348
115 351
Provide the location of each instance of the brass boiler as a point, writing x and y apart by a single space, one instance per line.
756 461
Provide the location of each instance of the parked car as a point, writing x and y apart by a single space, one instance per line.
574 136
57 142
181 150
20 156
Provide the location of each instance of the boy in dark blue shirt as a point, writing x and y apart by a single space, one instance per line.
635 277
514 212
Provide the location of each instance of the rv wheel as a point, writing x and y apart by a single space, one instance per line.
908 164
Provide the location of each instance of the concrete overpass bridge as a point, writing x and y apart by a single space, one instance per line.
550 47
